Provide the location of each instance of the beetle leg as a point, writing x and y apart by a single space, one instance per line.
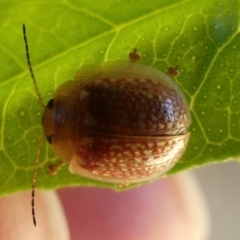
53 168
134 56
173 71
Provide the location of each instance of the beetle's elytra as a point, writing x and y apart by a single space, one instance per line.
119 122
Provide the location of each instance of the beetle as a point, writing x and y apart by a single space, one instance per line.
118 122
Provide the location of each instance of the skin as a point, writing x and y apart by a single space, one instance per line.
171 208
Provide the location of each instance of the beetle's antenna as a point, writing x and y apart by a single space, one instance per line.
30 67
34 179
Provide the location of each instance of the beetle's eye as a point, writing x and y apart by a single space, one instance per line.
50 103
49 138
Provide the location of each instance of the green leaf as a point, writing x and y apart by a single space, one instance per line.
201 37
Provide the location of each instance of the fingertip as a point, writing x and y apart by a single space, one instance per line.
171 208
16 219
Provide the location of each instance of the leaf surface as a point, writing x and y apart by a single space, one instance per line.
201 37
